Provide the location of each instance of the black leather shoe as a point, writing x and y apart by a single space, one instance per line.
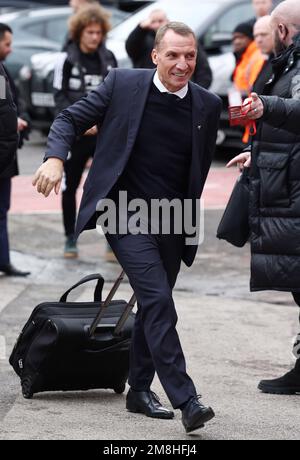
10 270
288 384
195 415
146 402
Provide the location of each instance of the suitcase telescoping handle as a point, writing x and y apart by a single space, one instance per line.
124 317
106 303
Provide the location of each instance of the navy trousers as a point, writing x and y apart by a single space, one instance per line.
152 263
5 190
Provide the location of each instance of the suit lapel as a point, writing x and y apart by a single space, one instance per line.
198 118
138 97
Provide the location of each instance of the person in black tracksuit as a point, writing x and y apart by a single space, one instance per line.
81 69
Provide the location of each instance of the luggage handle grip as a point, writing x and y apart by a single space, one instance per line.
125 315
86 279
106 303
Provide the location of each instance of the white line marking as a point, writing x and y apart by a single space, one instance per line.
2 348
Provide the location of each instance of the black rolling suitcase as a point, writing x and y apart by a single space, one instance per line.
74 345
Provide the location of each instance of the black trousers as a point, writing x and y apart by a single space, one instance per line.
152 264
296 296
82 150
5 192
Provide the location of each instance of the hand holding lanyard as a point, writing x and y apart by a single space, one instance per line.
238 116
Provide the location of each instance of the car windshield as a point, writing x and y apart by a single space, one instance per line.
187 11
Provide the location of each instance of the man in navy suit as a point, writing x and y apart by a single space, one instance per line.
157 134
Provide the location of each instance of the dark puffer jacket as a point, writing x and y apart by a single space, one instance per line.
275 180
8 124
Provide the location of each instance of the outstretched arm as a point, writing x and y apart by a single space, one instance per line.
70 123
276 111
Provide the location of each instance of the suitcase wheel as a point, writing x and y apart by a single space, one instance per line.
120 389
26 389
27 394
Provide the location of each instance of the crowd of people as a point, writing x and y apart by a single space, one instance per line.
151 131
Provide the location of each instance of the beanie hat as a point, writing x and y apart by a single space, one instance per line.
244 28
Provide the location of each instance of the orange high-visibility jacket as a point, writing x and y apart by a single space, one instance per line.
248 68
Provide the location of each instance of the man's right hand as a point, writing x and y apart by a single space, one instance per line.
243 160
156 19
147 24
49 176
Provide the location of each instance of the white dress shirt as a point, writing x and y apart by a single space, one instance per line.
180 93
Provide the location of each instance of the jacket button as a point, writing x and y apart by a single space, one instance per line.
199 127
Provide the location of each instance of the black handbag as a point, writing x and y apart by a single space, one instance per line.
234 225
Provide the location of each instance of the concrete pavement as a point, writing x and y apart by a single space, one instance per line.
231 340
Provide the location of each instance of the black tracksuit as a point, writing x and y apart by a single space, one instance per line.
76 74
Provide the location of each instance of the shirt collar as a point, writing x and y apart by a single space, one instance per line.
181 93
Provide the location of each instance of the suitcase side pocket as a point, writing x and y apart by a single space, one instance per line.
21 346
37 357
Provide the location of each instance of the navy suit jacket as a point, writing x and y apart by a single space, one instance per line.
117 107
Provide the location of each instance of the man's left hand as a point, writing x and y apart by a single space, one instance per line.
22 124
92 131
256 107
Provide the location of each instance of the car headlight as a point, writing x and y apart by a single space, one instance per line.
25 73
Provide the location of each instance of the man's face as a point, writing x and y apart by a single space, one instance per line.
91 37
280 35
240 42
175 59
262 7
279 46
5 45
263 37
